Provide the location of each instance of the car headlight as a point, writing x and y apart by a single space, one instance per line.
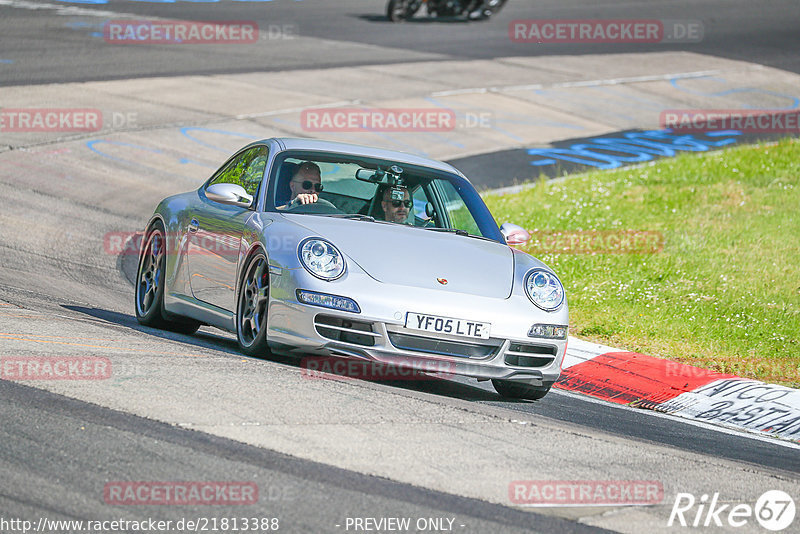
321 258
544 289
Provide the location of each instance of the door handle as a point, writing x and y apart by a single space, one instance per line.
194 225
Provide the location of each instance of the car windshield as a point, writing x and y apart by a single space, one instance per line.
378 191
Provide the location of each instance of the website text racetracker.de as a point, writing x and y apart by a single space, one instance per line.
112 526
180 32
542 31
378 120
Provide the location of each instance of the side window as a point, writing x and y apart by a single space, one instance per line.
247 170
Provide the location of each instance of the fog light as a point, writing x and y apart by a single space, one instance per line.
548 331
327 301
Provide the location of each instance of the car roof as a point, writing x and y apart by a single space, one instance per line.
296 143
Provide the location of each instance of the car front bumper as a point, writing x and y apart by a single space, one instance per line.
378 333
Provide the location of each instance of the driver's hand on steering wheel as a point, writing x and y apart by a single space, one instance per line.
305 198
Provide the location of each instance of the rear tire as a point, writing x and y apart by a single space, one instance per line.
516 390
149 291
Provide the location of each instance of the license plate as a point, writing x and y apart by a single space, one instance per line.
448 325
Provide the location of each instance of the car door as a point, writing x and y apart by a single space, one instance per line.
215 231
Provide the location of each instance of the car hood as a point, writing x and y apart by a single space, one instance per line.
420 258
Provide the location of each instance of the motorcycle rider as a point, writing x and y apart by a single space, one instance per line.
398 10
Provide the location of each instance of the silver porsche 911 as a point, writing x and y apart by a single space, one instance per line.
308 247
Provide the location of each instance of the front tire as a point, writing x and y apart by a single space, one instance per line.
149 294
516 390
252 307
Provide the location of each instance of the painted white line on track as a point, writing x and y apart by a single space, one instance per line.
693 422
298 109
582 83
743 433
640 79
62 9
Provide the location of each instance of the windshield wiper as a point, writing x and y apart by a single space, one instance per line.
457 231
354 216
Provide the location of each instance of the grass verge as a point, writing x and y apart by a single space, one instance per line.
722 294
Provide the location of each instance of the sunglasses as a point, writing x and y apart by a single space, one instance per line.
398 203
308 184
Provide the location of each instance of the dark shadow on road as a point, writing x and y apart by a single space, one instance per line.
344 370
202 338
416 20
312 367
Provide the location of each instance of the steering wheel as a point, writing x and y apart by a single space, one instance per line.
320 206
423 223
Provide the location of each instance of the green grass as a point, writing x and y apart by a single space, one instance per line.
723 294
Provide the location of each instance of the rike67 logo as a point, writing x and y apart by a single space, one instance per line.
774 510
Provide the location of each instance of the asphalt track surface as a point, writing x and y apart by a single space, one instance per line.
57 452
305 496
46 48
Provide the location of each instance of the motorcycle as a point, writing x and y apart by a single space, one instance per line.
400 10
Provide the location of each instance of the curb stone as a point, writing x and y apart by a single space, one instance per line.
683 390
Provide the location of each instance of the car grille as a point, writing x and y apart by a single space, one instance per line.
345 330
442 347
526 355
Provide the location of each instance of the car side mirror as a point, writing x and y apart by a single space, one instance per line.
233 194
430 211
514 235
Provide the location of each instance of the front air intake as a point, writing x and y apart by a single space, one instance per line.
527 355
345 330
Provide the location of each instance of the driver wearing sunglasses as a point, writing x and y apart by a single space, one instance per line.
306 184
396 204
